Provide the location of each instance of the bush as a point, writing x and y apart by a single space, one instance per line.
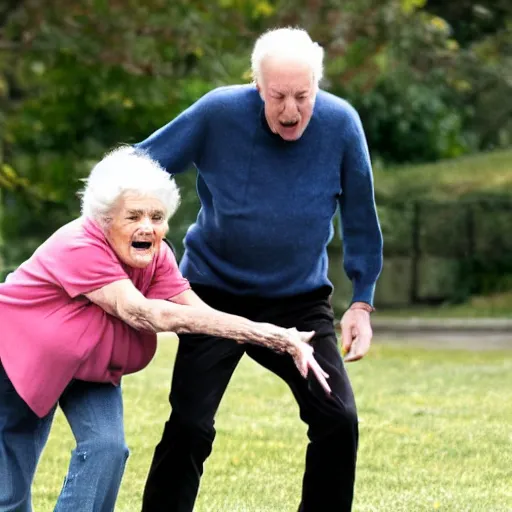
410 122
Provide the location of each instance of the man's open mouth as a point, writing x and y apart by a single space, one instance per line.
141 245
289 124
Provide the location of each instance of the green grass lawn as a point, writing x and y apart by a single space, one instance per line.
436 434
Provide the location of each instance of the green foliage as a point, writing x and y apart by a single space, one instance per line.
480 73
479 276
471 21
94 74
80 77
465 177
410 122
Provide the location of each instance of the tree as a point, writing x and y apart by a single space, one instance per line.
79 77
87 75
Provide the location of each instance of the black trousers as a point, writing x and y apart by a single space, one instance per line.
203 368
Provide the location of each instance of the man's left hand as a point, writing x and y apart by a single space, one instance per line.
356 332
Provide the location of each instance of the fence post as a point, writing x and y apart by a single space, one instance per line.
415 253
470 232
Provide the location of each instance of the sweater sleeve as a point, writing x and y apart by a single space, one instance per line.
360 229
177 145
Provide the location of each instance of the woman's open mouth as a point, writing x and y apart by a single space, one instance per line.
142 246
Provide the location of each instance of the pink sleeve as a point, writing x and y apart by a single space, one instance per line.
167 281
84 267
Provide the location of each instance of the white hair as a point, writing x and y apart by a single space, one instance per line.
122 171
292 43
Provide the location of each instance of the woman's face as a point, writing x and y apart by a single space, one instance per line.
136 230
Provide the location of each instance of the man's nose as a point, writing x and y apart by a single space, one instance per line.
290 106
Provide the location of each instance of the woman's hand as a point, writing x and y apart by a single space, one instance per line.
302 353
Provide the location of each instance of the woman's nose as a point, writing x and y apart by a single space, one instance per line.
146 225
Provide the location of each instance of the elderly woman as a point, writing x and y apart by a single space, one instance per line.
82 312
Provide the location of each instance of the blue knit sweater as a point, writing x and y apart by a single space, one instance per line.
267 204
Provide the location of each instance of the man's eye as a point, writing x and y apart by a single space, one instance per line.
158 218
133 217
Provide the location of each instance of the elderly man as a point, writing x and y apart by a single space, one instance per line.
274 159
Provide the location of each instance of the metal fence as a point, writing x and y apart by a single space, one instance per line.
444 251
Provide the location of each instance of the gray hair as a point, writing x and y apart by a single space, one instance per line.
291 43
124 170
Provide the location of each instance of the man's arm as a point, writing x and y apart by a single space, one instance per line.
362 240
177 145
361 233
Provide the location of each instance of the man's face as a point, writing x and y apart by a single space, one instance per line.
289 90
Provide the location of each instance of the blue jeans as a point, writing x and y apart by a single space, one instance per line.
95 413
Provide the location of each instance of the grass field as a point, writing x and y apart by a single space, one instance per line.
436 434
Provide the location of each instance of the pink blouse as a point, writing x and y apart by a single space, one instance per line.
50 333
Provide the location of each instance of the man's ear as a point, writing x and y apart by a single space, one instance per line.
258 88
